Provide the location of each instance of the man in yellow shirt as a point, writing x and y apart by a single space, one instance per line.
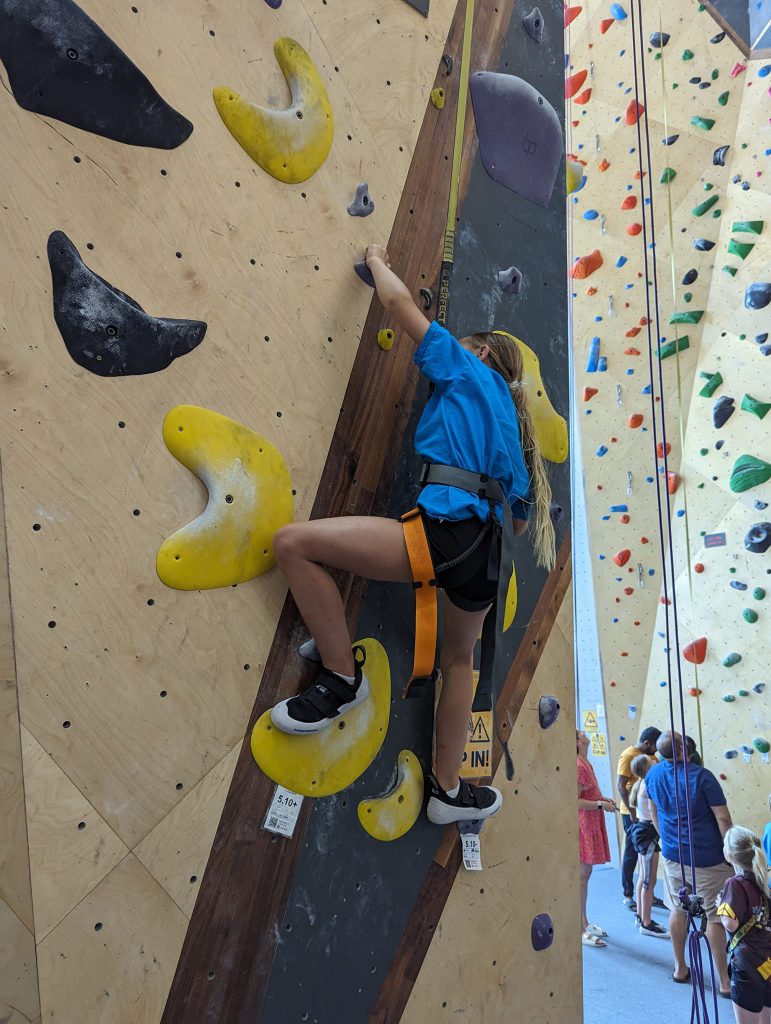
625 779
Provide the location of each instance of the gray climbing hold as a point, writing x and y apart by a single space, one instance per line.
362 205
659 40
533 23
548 710
703 244
449 64
758 538
718 38
364 272
427 297
718 157
738 585
690 276
722 411
555 512
519 132
757 295
510 280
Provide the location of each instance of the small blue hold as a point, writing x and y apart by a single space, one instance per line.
651 572
591 215
649 479
602 364
619 508
729 755
621 261
663 682
604 519
602 450
614 621
764 71
629 373
738 585
680 513
646 390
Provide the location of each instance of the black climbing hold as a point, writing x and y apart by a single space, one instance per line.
555 512
362 205
520 138
105 330
718 157
757 295
718 38
738 585
533 23
761 338
719 445
758 538
722 411
690 276
428 298
275 4
659 40
670 140
420 5
542 932
510 280
61 64
705 85
449 64
703 244
694 81
548 710
364 272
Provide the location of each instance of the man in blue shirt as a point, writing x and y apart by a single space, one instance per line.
667 788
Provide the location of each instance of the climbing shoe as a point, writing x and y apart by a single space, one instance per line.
471 802
654 928
329 697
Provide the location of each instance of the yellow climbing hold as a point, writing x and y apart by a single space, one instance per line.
290 144
574 174
551 430
250 497
325 762
393 815
511 600
385 339
437 98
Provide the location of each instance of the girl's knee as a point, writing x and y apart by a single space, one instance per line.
286 542
453 661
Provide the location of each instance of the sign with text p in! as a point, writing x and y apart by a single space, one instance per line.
478 755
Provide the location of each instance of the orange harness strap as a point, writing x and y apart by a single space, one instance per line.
425 596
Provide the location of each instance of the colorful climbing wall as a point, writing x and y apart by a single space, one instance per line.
705 107
181 326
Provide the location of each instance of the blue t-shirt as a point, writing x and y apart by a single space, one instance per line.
469 422
705 793
767 841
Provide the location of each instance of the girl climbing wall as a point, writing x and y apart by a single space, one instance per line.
475 431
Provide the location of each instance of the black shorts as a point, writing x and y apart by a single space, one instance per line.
466 585
748 989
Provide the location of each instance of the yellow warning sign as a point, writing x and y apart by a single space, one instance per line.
599 746
477 757
590 721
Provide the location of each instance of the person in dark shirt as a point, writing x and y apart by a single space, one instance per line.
744 912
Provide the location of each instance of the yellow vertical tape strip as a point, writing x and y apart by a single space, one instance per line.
460 124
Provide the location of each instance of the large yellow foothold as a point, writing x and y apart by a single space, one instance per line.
385 339
290 144
437 98
391 816
250 497
551 430
510 610
325 762
574 175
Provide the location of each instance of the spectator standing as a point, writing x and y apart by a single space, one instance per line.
592 836
624 780
645 839
692 753
767 835
710 820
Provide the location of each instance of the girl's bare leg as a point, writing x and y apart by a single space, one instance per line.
459 635
367 546
585 871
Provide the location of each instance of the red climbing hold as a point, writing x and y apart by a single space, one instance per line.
624 654
625 518
634 229
673 482
603 165
722 777
583 97
696 651
694 691
632 332
573 83
622 557
571 13
737 69
631 351
664 600
660 448
628 591
638 175
635 420
605 24
629 203
644 540
699 567
591 290
586 265
634 112
589 393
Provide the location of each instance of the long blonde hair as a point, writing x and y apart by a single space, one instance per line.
506 359
640 766
746 851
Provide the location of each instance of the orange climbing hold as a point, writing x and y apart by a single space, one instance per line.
605 24
625 518
673 482
629 203
622 557
634 229
632 332
583 97
635 420
586 265
631 351
603 165
634 112
591 290
661 448
571 13
589 393
696 651
694 691
638 175
573 83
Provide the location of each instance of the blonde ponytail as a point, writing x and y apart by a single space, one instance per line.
745 851
506 359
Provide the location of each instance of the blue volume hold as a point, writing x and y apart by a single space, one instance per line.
618 12
594 356
619 508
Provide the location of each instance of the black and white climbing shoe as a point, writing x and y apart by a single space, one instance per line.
471 802
329 697
654 928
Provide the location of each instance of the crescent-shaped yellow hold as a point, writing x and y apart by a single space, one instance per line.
325 762
289 144
574 175
551 430
250 497
391 816
510 610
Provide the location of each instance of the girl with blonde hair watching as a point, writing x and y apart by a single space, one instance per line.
645 839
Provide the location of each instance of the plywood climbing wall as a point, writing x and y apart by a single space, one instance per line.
703 107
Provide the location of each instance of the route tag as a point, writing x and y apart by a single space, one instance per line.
472 852
283 811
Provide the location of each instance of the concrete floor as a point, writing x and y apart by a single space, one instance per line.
629 980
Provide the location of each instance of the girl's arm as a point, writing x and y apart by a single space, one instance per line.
394 295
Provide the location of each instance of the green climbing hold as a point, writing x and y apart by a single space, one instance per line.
740 249
723 98
715 74
758 593
708 186
703 451
751 227
714 380
743 693
701 209
669 349
729 270
755 406
748 472
729 698
687 55
707 123
667 175
761 745
690 316
732 659
687 296
749 615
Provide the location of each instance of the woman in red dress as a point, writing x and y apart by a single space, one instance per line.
592 837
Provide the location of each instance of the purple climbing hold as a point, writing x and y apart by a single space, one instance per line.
757 295
722 411
533 23
362 205
364 272
520 137
275 4
542 932
758 538
548 710
510 280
